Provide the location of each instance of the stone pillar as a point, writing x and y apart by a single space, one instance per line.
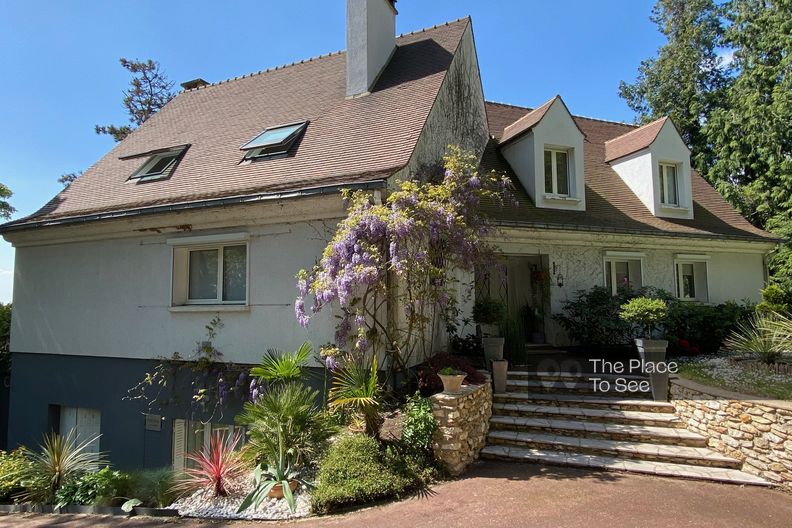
463 423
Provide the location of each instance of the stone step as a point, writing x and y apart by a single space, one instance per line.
608 431
569 376
570 387
697 456
663 469
577 400
530 409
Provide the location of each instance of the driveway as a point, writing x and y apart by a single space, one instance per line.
516 495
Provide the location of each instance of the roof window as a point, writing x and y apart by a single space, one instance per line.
159 165
274 141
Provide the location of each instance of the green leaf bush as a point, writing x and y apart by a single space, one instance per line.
358 470
419 424
102 488
13 466
646 313
489 311
694 328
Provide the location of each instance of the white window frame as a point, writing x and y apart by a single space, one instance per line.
181 428
180 278
141 174
663 166
691 259
554 171
620 256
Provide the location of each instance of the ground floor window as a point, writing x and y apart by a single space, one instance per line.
190 436
691 280
623 272
83 424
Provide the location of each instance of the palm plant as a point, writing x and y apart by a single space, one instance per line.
58 460
276 367
287 411
216 466
356 387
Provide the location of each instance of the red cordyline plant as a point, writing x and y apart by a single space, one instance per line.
402 254
217 465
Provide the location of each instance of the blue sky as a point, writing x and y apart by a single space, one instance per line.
60 73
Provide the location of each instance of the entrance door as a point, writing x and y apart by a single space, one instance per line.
85 424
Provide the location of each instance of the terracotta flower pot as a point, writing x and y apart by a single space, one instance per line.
452 383
277 490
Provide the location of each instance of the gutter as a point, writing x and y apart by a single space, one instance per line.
188 206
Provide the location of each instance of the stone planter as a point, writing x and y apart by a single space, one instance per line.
452 383
277 490
500 369
493 348
654 351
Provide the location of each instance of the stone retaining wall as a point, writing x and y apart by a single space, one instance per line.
463 423
758 432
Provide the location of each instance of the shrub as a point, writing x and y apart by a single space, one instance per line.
429 382
13 466
357 470
419 424
216 466
154 488
766 337
488 311
646 313
694 328
288 411
469 346
775 300
103 488
59 460
592 317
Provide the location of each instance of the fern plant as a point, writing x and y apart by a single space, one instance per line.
277 367
356 388
216 466
59 460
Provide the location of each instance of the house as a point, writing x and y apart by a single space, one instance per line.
211 206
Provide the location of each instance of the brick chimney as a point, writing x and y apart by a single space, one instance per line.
371 40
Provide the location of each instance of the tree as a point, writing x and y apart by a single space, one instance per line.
149 90
6 210
68 178
687 79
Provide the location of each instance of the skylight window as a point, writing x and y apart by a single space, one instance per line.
274 141
158 166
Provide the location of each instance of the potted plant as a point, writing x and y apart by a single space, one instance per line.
452 380
647 314
488 314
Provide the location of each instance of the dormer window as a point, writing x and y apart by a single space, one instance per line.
669 189
274 141
556 172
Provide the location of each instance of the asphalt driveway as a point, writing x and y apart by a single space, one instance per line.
516 495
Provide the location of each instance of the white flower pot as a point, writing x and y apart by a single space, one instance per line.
452 384
493 348
654 351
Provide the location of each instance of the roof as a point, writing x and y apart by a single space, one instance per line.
526 122
347 141
610 204
634 140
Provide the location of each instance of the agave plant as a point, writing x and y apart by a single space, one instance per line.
216 466
277 367
766 336
287 412
282 473
356 387
58 460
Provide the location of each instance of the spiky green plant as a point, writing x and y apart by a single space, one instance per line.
58 460
288 411
766 336
277 367
356 388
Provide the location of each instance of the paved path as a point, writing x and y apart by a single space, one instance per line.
506 494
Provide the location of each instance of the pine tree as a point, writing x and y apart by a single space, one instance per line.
686 80
149 90
6 210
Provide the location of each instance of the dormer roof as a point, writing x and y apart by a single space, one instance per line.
530 120
635 140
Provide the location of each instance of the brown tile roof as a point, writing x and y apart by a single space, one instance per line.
346 141
526 122
610 205
634 140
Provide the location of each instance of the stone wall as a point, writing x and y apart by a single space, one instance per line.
758 432
463 423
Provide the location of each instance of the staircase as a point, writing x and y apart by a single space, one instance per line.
559 419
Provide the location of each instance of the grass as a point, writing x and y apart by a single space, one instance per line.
718 372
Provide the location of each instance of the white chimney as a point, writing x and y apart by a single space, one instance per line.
371 40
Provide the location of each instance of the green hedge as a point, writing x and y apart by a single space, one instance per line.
358 470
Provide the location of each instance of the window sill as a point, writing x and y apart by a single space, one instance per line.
561 198
210 308
677 208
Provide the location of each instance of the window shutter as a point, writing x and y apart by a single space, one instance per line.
179 435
